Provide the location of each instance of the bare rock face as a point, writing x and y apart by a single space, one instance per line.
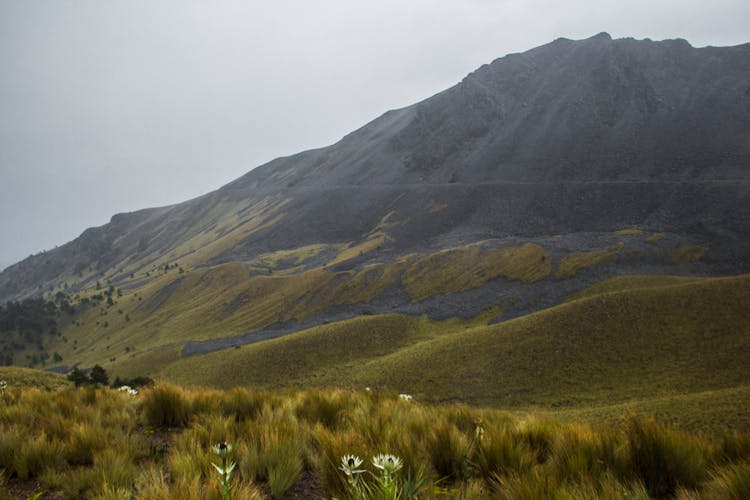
573 137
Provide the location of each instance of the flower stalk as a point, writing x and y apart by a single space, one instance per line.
350 467
225 470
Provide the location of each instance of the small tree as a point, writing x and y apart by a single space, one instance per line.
78 377
99 375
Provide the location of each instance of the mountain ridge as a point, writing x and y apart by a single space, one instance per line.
573 138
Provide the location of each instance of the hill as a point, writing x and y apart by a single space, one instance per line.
458 229
657 340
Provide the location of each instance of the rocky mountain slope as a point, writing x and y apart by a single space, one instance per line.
534 177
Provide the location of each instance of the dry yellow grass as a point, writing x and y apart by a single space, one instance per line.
654 238
687 254
574 262
468 267
632 282
16 376
291 257
373 242
629 232
96 442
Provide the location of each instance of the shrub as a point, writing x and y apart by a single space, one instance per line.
99 375
78 377
134 382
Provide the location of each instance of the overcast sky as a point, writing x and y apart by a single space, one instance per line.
113 106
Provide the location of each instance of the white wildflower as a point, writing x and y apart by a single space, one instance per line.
387 462
128 389
349 464
405 397
225 469
222 449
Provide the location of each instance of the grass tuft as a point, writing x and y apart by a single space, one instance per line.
664 458
166 405
730 483
94 449
449 451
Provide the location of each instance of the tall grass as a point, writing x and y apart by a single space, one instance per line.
730 483
98 443
665 459
166 405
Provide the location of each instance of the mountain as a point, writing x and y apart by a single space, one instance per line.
535 177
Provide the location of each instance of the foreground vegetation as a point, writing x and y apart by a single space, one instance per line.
97 442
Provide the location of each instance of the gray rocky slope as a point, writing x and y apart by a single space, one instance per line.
570 138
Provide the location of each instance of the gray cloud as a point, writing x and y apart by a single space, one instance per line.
114 106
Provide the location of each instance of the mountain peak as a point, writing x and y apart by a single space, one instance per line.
572 136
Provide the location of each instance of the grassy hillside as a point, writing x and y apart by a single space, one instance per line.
27 377
467 267
325 355
706 412
662 338
150 312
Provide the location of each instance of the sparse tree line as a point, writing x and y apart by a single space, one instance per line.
26 323
97 375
